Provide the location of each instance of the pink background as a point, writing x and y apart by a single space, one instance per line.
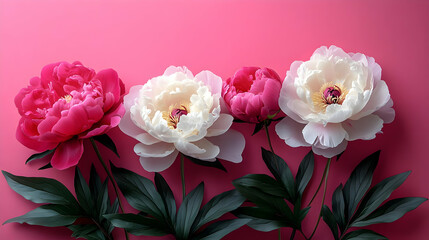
140 39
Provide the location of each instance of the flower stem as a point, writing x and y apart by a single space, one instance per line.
318 188
109 175
292 236
326 173
268 136
182 175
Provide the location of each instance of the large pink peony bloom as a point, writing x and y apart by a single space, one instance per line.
333 98
252 94
67 104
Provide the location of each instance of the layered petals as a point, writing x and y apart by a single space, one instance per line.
67 154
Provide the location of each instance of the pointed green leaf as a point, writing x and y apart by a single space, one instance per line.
281 172
138 225
220 229
262 182
216 164
258 128
218 206
305 172
87 231
167 196
83 193
50 215
40 190
140 192
107 142
39 155
391 211
329 219
359 182
188 212
379 193
363 234
338 207
94 181
47 166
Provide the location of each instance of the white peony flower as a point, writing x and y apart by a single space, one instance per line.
177 112
333 98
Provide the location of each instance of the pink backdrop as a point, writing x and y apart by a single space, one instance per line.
140 39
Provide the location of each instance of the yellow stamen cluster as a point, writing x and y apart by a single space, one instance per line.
323 98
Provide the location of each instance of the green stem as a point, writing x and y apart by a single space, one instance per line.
324 195
109 175
318 188
292 236
279 234
182 175
268 136
305 237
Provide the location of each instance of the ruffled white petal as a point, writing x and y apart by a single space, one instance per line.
291 131
160 149
173 69
128 127
330 135
379 97
211 80
158 164
364 128
330 152
220 126
231 145
202 149
387 113
147 139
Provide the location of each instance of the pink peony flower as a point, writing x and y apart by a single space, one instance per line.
252 94
67 104
333 98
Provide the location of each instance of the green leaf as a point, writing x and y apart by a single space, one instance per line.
281 172
359 182
140 192
50 215
188 212
220 229
83 193
329 219
218 206
167 196
305 172
87 231
379 193
258 128
138 225
39 155
391 211
262 182
363 234
94 182
216 164
41 190
48 165
338 207
107 142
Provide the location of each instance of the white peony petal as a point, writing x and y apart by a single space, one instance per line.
387 113
211 80
379 97
330 135
330 152
128 127
147 139
173 69
291 131
231 145
202 149
130 98
158 164
220 126
364 128
160 149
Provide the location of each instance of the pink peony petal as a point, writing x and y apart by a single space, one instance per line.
67 154
330 135
211 80
110 82
33 143
158 164
173 69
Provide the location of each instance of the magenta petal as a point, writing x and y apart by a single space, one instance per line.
33 143
110 81
67 154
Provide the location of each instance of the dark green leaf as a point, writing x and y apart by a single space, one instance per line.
218 206
140 192
277 119
329 219
83 193
359 182
48 165
239 120
138 225
167 196
338 207
363 234
262 182
216 164
39 155
87 231
50 215
41 190
339 155
94 182
379 193
220 229
391 211
281 172
305 172
188 212
107 142
258 128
